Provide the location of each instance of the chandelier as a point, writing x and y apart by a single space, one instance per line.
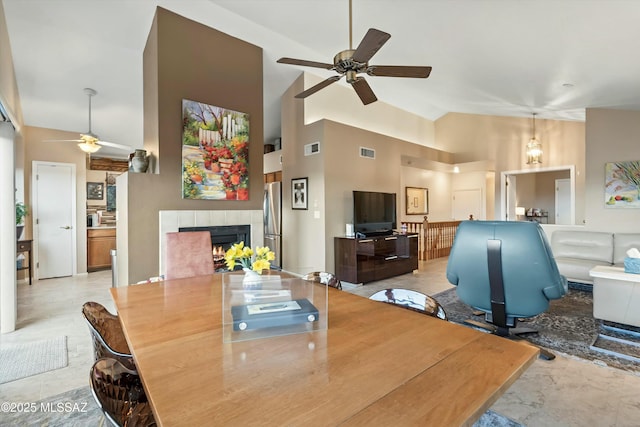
534 148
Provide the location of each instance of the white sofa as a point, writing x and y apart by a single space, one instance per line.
577 252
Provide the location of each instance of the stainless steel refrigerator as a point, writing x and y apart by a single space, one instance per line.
272 212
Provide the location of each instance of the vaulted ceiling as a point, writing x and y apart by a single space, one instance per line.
496 57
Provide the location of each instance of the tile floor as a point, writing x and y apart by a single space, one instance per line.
563 392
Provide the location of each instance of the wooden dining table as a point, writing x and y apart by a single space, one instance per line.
376 363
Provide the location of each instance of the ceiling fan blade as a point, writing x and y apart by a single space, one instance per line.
364 91
114 145
370 44
321 85
62 140
293 61
399 71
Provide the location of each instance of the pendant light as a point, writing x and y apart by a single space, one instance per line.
534 148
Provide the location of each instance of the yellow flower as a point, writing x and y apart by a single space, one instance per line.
262 251
261 264
244 255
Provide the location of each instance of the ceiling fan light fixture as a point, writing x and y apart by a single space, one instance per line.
534 147
88 147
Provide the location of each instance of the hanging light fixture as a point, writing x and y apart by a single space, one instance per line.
534 148
89 146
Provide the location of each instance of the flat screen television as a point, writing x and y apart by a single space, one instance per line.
374 214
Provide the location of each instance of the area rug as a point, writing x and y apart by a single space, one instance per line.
567 327
75 408
82 410
26 359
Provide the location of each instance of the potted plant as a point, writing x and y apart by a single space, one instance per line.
21 212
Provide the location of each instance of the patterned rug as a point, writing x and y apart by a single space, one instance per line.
77 408
567 327
26 359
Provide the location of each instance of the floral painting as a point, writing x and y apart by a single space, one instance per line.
622 184
215 152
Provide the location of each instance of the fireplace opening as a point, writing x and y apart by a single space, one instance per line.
222 238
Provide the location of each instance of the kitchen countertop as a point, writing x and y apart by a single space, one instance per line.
101 227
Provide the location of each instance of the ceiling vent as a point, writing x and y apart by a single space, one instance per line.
369 153
313 148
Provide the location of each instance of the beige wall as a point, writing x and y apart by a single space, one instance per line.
377 117
176 68
439 186
502 140
612 135
302 234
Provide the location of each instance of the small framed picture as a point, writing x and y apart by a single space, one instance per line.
299 196
95 190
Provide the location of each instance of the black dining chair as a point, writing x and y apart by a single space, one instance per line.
107 334
324 278
411 300
119 393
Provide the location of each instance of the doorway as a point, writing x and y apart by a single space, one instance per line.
536 190
54 219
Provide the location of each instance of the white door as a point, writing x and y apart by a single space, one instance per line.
54 219
563 201
466 203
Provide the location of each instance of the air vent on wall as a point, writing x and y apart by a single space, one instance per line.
313 148
369 153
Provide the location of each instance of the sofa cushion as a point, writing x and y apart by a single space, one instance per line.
577 270
622 242
583 245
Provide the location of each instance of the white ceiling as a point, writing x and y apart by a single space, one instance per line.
497 57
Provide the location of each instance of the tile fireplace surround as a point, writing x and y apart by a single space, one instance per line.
171 221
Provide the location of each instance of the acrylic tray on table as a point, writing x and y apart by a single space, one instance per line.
280 304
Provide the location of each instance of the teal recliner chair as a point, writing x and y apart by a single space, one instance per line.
505 269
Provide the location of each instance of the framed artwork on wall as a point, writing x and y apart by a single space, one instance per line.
417 201
299 193
215 152
622 184
95 190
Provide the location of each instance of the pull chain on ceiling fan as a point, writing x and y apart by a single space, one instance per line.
352 62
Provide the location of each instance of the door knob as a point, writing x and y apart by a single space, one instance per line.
66 227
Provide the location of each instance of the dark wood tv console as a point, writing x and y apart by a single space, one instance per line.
375 258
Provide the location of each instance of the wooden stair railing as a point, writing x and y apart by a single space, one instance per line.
435 238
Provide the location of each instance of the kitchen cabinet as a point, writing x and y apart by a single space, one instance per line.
100 241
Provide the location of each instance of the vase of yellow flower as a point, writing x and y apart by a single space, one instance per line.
251 280
252 262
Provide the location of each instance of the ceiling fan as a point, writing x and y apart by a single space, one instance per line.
89 141
352 62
